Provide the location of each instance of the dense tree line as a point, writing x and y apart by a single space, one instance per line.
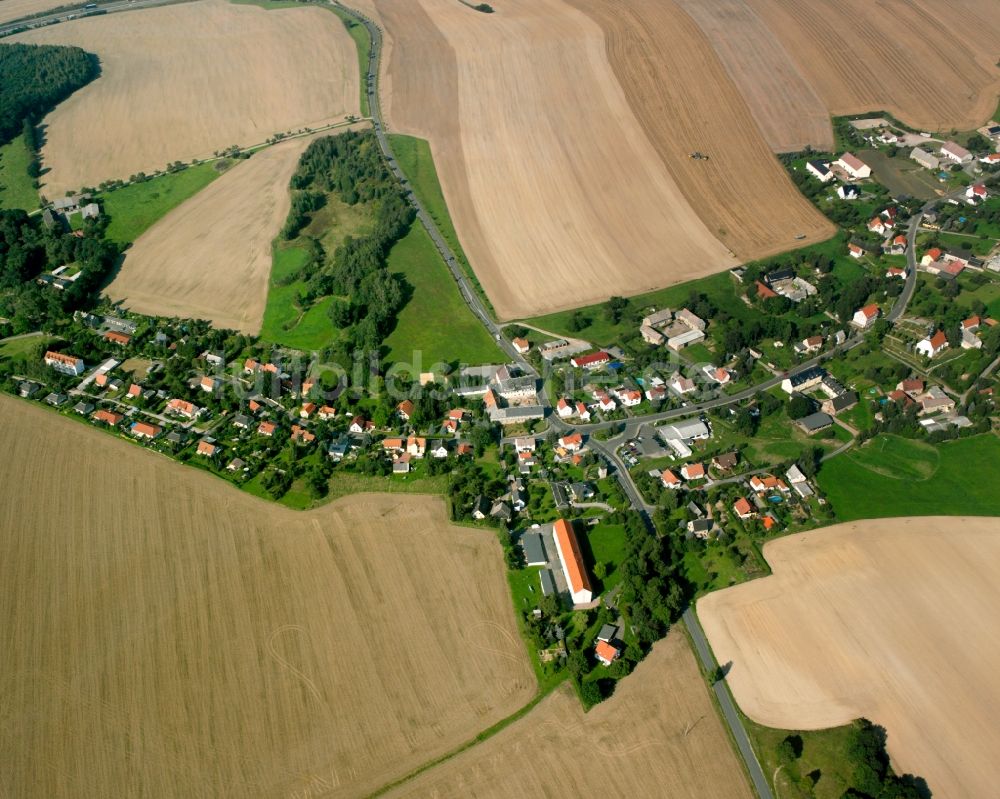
36 78
27 249
369 296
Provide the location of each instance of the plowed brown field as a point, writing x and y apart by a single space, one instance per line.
179 82
659 735
210 258
896 620
557 194
166 635
786 108
686 102
931 64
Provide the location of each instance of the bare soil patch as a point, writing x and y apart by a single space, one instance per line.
169 636
556 192
894 620
787 110
930 64
210 257
180 82
659 735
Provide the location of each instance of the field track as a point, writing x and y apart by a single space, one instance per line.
167 635
180 82
659 735
557 195
210 258
933 65
895 620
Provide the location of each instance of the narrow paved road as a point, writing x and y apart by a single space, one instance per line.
729 712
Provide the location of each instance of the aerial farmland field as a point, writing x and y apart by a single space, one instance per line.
210 257
171 636
182 81
539 155
893 620
657 736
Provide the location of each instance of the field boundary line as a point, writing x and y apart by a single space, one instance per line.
485 735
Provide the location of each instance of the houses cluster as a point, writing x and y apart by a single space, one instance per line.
928 399
512 398
969 332
62 208
836 398
847 169
675 330
785 283
557 550
949 263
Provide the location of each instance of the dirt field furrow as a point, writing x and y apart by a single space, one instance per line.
787 109
555 190
180 82
894 620
894 55
658 736
210 258
666 66
170 636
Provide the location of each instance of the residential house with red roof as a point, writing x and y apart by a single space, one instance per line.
743 508
932 345
670 480
66 364
866 317
109 418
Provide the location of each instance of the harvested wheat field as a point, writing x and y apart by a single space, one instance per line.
931 64
896 620
210 258
167 635
659 735
15 9
567 171
557 195
686 102
787 110
182 81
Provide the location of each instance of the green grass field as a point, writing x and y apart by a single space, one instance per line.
283 322
414 157
892 476
17 190
19 347
363 41
824 755
133 209
436 322
607 545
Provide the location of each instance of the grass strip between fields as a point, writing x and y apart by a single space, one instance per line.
414 157
17 189
134 208
485 735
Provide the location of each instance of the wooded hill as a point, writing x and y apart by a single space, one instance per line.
36 78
